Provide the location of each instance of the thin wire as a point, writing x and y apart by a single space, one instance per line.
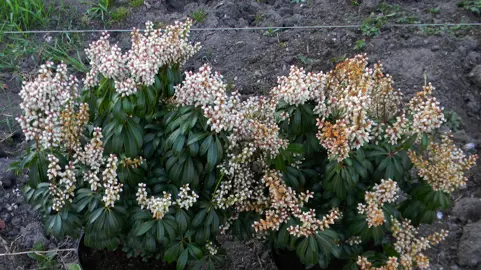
35 251
304 27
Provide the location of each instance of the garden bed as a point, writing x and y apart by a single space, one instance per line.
252 60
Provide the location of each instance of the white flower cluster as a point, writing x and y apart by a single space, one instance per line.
299 87
310 223
106 59
200 88
62 190
356 105
391 264
42 102
126 87
184 199
211 248
443 165
155 49
149 52
92 157
160 206
252 120
240 187
426 113
112 187
348 97
253 136
285 203
354 240
207 90
385 192
224 227
410 246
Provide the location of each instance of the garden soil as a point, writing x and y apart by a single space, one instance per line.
251 61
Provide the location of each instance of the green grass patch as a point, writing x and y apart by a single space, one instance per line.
119 14
434 10
360 45
199 15
136 3
99 10
24 14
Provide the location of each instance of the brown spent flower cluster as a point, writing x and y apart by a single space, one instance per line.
133 163
443 164
386 192
73 124
284 203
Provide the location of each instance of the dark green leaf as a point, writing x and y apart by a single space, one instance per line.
144 227
160 231
182 261
195 251
95 215
194 137
178 145
199 218
212 156
205 145
171 253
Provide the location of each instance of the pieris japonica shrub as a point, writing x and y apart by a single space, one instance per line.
133 159
337 168
333 166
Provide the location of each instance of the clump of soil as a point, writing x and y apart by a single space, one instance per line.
91 259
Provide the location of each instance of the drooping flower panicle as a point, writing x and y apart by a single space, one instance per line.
111 183
42 102
385 192
159 206
150 51
443 165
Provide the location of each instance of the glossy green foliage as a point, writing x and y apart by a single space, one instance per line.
178 148
343 185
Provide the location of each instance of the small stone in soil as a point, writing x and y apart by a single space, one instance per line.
470 245
475 75
468 209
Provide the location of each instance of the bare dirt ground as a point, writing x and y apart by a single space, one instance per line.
251 61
